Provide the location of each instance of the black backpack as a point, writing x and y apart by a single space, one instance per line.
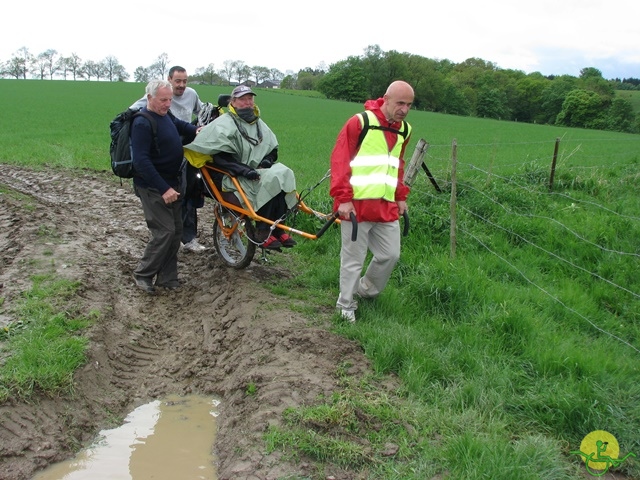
120 149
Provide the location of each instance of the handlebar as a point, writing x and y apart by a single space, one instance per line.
333 218
354 223
405 230
329 222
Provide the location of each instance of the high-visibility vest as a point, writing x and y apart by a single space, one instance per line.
375 169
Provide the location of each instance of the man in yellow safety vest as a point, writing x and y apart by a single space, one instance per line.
367 168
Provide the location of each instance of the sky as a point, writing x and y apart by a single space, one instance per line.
553 37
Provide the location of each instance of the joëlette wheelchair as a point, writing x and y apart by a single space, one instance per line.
234 228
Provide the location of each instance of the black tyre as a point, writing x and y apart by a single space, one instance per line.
238 250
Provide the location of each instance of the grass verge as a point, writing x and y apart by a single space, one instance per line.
41 350
508 353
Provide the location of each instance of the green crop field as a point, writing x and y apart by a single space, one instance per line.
67 124
513 317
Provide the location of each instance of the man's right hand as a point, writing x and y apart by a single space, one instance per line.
344 209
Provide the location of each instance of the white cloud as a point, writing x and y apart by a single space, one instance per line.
551 36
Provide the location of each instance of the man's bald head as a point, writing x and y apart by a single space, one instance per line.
397 101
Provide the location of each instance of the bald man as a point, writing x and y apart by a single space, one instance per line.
367 170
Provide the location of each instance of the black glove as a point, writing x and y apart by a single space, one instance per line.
252 175
265 163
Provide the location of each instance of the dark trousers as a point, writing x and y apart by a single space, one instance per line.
192 199
189 220
160 257
274 209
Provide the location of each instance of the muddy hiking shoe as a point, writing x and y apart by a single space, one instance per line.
194 246
144 283
348 315
170 285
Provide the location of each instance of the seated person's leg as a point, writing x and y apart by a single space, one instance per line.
275 209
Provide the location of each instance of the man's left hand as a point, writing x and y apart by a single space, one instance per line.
402 207
170 196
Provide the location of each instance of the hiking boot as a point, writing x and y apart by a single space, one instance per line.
348 315
194 246
144 283
286 240
271 243
170 285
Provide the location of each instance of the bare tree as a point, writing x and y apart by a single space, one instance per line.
62 65
91 69
112 68
207 74
50 56
100 70
276 75
227 70
40 66
141 75
159 68
260 74
243 72
13 68
121 74
75 66
21 63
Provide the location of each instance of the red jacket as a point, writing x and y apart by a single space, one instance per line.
345 149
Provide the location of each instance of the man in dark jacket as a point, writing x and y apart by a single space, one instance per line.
185 104
157 183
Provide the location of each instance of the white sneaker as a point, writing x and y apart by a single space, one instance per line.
194 246
348 315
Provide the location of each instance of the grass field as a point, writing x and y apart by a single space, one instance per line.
514 335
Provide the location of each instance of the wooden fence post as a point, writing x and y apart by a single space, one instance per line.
452 231
553 164
417 159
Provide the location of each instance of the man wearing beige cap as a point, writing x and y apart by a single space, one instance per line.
242 144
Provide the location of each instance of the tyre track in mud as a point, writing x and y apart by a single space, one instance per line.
216 335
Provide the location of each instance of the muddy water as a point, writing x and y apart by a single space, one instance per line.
162 440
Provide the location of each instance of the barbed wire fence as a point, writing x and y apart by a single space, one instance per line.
531 174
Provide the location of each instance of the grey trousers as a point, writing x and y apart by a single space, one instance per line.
160 257
383 240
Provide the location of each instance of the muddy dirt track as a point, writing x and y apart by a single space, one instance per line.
220 332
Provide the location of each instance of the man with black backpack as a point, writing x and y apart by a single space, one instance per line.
185 104
158 161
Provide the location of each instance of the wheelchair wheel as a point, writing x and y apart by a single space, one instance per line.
232 238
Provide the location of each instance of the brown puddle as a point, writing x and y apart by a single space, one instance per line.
167 439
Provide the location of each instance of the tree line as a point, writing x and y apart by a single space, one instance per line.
50 64
479 88
474 87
